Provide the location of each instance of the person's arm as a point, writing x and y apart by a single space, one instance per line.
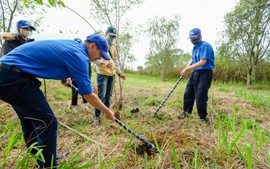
97 103
193 66
189 62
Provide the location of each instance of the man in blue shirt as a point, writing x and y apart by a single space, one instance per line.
199 82
51 59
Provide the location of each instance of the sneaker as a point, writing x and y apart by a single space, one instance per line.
62 155
86 108
96 123
182 115
205 121
74 109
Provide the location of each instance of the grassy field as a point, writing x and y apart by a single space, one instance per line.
238 136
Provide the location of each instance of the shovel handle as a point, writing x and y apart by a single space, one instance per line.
166 98
128 129
136 135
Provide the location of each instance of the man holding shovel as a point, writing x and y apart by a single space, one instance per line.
51 59
201 77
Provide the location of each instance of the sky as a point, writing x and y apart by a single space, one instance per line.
205 14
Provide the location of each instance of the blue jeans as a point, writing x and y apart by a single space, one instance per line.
105 90
197 89
37 119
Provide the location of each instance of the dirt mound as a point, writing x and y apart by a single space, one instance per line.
180 139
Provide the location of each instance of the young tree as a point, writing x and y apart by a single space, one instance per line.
163 35
17 8
111 12
246 36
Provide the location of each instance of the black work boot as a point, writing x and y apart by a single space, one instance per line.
205 121
182 115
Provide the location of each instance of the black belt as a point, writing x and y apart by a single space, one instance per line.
9 68
202 70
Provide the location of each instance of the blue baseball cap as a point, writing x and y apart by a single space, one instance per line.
101 43
25 24
194 33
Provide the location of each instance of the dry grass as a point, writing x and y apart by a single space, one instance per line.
121 150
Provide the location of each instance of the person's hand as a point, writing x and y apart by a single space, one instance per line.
106 64
109 65
184 72
66 82
109 116
123 77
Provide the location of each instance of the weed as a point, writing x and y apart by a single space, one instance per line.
176 164
248 149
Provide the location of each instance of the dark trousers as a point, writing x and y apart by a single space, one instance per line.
197 89
74 97
37 119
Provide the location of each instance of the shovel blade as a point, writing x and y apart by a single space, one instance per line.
117 115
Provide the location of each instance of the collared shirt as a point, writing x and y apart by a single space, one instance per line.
203 50
53 59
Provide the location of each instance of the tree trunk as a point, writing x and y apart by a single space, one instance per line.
121 94
251 74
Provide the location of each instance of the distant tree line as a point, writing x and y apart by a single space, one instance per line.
225 71
243 53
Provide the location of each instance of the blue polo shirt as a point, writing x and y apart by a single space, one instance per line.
203 50
53 59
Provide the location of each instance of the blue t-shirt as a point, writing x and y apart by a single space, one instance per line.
203 50
53 59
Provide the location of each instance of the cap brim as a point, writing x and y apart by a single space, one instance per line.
28 26
105 55
112 34
194 36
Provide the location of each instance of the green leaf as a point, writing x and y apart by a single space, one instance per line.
61 3
39 2
52 2
87 165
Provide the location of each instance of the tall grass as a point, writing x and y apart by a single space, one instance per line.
225 71
235 138
196 159
175 160
16 142
247 148
228 143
